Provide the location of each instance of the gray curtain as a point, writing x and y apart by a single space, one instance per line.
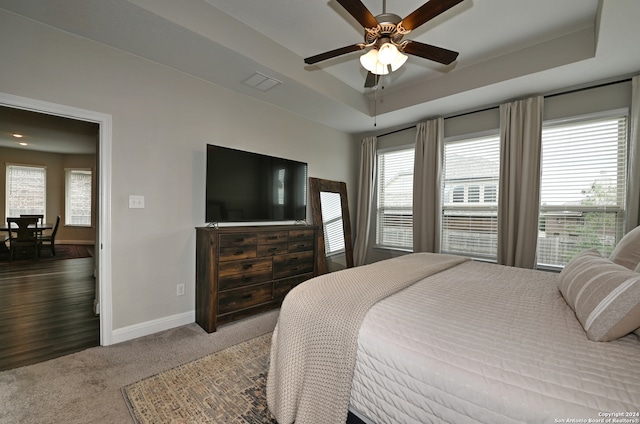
633 176
519 193
366 185
427 182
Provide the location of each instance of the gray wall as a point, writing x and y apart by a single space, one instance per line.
162 121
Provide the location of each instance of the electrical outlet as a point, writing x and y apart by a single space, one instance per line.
180 289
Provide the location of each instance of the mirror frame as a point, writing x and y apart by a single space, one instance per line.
317 185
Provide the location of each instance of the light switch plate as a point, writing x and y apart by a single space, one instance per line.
136 202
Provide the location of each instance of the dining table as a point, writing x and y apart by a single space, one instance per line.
5 229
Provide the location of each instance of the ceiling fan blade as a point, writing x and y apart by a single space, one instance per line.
371 80
427 51
333 53
360 12
426 12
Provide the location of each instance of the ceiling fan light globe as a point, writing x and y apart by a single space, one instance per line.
369 60
380 69
400 60
387 54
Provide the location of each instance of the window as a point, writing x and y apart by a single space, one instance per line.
78 197
26 190
395 199
470 197
583 185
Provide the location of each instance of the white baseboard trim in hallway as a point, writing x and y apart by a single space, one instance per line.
150 327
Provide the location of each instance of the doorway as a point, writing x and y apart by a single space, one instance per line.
102 251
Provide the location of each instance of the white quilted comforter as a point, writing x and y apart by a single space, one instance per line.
482 343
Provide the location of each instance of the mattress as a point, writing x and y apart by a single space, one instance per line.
482 343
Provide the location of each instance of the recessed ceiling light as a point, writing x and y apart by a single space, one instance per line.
23 144
17 135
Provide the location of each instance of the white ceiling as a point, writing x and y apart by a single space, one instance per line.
508 49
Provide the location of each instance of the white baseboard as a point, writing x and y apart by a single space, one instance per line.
145 328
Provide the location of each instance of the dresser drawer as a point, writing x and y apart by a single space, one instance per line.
272 237
301 234
238 240
237 253
301 240
300 245
282 287
234 274
292 264
234 300
272 249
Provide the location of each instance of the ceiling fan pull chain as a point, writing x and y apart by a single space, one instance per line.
375 105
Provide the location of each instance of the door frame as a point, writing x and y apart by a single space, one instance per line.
103 242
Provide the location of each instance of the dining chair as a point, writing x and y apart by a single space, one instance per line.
26 235
39 216
49 240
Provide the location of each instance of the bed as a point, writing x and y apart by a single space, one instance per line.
427 338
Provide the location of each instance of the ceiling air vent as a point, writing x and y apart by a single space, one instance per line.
261 82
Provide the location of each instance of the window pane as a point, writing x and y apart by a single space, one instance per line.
395 199
470 215
582 190
26 190
78 197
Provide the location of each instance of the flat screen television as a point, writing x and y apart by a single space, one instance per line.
245 186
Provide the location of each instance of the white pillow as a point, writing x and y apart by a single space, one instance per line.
605 296
627 251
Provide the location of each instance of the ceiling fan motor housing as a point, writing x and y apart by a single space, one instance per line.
387 28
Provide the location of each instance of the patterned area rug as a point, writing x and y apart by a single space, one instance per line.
225 387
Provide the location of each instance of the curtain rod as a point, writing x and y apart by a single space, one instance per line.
549 95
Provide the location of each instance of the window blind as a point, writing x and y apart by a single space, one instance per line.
583 186
26 190
78 197
470 197
395 199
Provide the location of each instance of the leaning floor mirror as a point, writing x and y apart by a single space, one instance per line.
330 211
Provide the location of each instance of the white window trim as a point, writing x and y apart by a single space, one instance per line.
376 245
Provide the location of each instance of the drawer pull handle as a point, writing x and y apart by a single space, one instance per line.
238 252
247 296
273 238
294 269
239 240
301 245
273 249
247 266
294 259
246 279
301 235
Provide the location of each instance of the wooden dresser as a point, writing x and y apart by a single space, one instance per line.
241 271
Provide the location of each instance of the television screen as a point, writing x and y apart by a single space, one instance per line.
245 186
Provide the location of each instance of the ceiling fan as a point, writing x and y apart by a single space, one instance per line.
384 33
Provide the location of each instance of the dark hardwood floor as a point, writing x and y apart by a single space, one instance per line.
46 311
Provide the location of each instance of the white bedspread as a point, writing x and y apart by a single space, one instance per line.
483 343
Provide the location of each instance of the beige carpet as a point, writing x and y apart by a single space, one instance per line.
225 387
85 387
